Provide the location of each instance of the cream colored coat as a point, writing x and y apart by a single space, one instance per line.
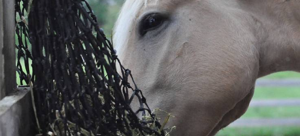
202 63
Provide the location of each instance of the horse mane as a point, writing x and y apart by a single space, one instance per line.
128 14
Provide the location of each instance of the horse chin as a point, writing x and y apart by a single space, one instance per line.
235 113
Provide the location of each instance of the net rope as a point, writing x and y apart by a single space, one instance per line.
73 68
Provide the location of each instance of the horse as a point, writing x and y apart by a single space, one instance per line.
199 59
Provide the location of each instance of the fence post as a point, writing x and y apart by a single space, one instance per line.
7 47
2 93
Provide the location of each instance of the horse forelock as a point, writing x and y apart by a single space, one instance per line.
129 13
123 25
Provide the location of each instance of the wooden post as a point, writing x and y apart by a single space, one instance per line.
16 114
2 90
7 48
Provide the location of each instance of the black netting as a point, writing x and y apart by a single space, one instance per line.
77 90
24 57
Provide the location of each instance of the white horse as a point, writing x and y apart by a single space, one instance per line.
199 59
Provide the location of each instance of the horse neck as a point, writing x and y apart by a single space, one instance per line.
277 29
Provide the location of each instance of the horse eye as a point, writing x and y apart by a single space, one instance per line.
151 22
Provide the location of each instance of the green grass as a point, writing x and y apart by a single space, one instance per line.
282 75
273 112
276 93
260 131
270 112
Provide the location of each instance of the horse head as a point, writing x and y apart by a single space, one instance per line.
198 59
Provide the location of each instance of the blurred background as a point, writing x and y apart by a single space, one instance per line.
107 12
275 108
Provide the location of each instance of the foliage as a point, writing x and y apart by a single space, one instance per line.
100 10
106 12
260 131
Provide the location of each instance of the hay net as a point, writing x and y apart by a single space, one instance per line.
76 88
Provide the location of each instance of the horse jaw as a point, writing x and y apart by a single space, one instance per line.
239 109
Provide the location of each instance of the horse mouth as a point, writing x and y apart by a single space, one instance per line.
235 113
